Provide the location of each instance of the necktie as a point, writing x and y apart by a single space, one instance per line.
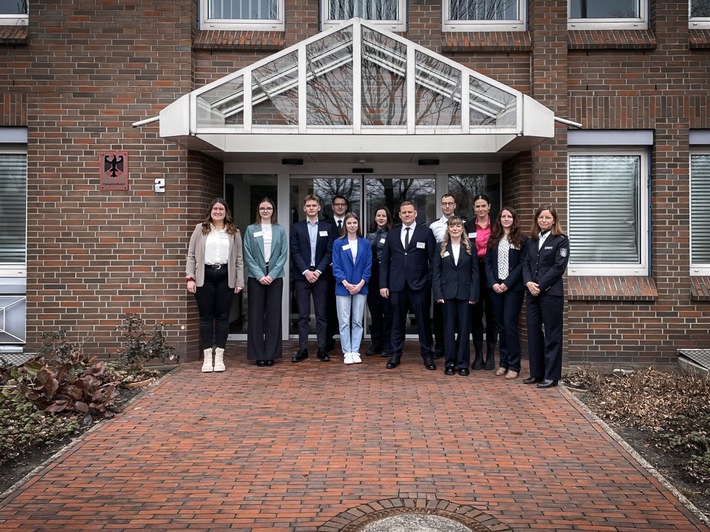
406 238
340 226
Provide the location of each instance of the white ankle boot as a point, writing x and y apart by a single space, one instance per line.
219 359
207 364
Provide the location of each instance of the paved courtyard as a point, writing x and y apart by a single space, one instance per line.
325 446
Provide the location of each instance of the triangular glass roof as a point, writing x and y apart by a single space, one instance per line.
360 80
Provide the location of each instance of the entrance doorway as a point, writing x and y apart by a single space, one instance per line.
366 192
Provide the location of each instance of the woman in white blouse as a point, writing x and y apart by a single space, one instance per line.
215 272
507 247
265 252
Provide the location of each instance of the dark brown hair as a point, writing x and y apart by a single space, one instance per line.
228 220
515 237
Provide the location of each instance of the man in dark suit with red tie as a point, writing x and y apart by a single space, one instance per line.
405 278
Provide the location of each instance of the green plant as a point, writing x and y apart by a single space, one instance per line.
137 348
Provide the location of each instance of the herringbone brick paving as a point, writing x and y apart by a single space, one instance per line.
292 446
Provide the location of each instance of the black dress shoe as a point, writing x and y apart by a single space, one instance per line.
547 383
464 372
393 362
261 363
531 380
373 350
301 355
323 356
449 370
429 363
269 362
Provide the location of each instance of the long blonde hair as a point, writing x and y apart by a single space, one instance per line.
455 220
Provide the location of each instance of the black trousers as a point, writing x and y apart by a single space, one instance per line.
420 301
457 322
545 348
214 303
318 292
264 320
380 314
481 308
506 311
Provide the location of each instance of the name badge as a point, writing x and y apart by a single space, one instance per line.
472 235
322 233
446 254
345 248
382 240
258 233
421 245
548 247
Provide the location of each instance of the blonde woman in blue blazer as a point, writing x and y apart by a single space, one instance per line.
265 252
352 265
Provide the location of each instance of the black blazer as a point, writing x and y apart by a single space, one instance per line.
412 265
514 279
547 265
456 281
300 248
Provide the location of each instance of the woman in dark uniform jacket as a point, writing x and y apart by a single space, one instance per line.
507 246
543 268
380 309
456 285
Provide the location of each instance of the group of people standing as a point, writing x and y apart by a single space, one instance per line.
479 273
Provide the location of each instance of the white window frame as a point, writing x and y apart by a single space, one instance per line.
640 269
15 19
697 22
519 24
9 147
696 268
391 25
207 23
640 23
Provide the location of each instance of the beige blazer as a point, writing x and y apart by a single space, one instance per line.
196 259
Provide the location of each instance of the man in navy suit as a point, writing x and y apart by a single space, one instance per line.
311 252
405 278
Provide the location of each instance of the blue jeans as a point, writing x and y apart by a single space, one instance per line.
351 309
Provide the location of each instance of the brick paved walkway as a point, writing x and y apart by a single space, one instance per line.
293 446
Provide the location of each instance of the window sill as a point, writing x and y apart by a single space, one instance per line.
700 288
14 34
611 40
699 39
591 288
264 41
486 41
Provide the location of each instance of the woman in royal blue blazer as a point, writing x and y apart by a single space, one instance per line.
265 252
352 265
544 265
456 285
507 246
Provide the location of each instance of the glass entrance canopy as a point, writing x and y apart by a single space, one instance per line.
359 81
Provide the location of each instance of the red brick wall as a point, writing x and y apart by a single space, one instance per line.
87 72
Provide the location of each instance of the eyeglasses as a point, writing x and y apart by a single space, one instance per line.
266 208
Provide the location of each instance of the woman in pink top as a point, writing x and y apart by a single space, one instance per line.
479 231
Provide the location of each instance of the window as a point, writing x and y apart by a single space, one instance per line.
484 15
699 14
13 12
608 212
700 213
389 13
608 14
241 15
13 209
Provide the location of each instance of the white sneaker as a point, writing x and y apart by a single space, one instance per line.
348 358
356 358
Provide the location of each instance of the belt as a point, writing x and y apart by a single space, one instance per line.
215 266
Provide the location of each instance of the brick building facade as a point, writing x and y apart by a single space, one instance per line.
75 77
